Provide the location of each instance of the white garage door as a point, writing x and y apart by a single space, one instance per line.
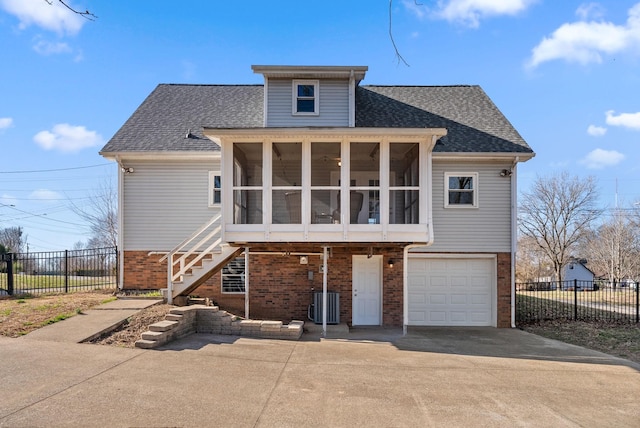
451 291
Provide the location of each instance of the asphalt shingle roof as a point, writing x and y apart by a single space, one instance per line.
162 121
170 112
473 122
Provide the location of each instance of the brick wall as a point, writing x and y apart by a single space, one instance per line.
281 288
504 290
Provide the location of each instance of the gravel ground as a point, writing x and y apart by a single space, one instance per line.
132 330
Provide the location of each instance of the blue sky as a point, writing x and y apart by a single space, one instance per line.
565 73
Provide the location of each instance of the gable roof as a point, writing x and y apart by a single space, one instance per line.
172 117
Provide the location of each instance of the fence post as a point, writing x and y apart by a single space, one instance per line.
66 271
637 302
9 259
575 300
115 249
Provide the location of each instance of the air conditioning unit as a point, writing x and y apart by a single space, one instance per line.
333 308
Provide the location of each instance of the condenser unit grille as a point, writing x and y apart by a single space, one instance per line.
333 308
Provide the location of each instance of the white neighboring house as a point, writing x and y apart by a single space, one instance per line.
576 270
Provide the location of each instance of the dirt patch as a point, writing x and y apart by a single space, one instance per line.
22 315
133 328
620 340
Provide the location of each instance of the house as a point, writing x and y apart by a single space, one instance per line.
576 272
380 205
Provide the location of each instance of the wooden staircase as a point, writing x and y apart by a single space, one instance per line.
197 259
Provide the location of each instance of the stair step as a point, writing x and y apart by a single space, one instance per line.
145 344
163 326
152 335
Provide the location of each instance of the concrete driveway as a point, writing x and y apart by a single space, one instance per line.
431 377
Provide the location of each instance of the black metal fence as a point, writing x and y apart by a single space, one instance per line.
577 300
58 271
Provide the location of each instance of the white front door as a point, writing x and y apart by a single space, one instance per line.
367 290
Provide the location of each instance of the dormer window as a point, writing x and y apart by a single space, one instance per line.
305 97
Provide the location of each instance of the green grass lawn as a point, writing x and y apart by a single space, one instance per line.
22 281
532 309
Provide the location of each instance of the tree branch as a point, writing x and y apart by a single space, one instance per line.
86 14
393 42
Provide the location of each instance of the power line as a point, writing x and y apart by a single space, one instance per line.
54 170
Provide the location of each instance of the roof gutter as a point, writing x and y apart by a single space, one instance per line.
520 157
158 155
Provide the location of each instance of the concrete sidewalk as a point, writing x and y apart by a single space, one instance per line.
93 322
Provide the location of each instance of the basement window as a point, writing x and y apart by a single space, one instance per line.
233 276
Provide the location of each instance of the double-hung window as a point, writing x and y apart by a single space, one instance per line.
215 189
461 190
305 97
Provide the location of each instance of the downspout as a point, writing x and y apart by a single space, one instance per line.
120 225
514 236
352 100
405 255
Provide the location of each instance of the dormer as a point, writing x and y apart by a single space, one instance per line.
309 96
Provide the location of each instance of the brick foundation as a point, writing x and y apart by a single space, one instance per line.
281 288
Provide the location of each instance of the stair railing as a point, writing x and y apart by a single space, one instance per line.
180 254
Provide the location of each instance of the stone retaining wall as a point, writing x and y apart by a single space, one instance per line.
183 321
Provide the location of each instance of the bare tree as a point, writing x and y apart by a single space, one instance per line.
614 248
13 239
556 213
531 262
101 213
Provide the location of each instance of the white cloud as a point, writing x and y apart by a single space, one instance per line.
585 42
45 195
6 199
5 122
596 131
67 138
53 17
44 47
599 158
590 11
470 12
627 120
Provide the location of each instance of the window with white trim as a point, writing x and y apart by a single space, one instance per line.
305 97
233 276
215 188
461 190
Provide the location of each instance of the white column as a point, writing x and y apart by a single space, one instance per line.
246 282
324 291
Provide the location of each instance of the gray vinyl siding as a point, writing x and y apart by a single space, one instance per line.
165 202
483 229
333 109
